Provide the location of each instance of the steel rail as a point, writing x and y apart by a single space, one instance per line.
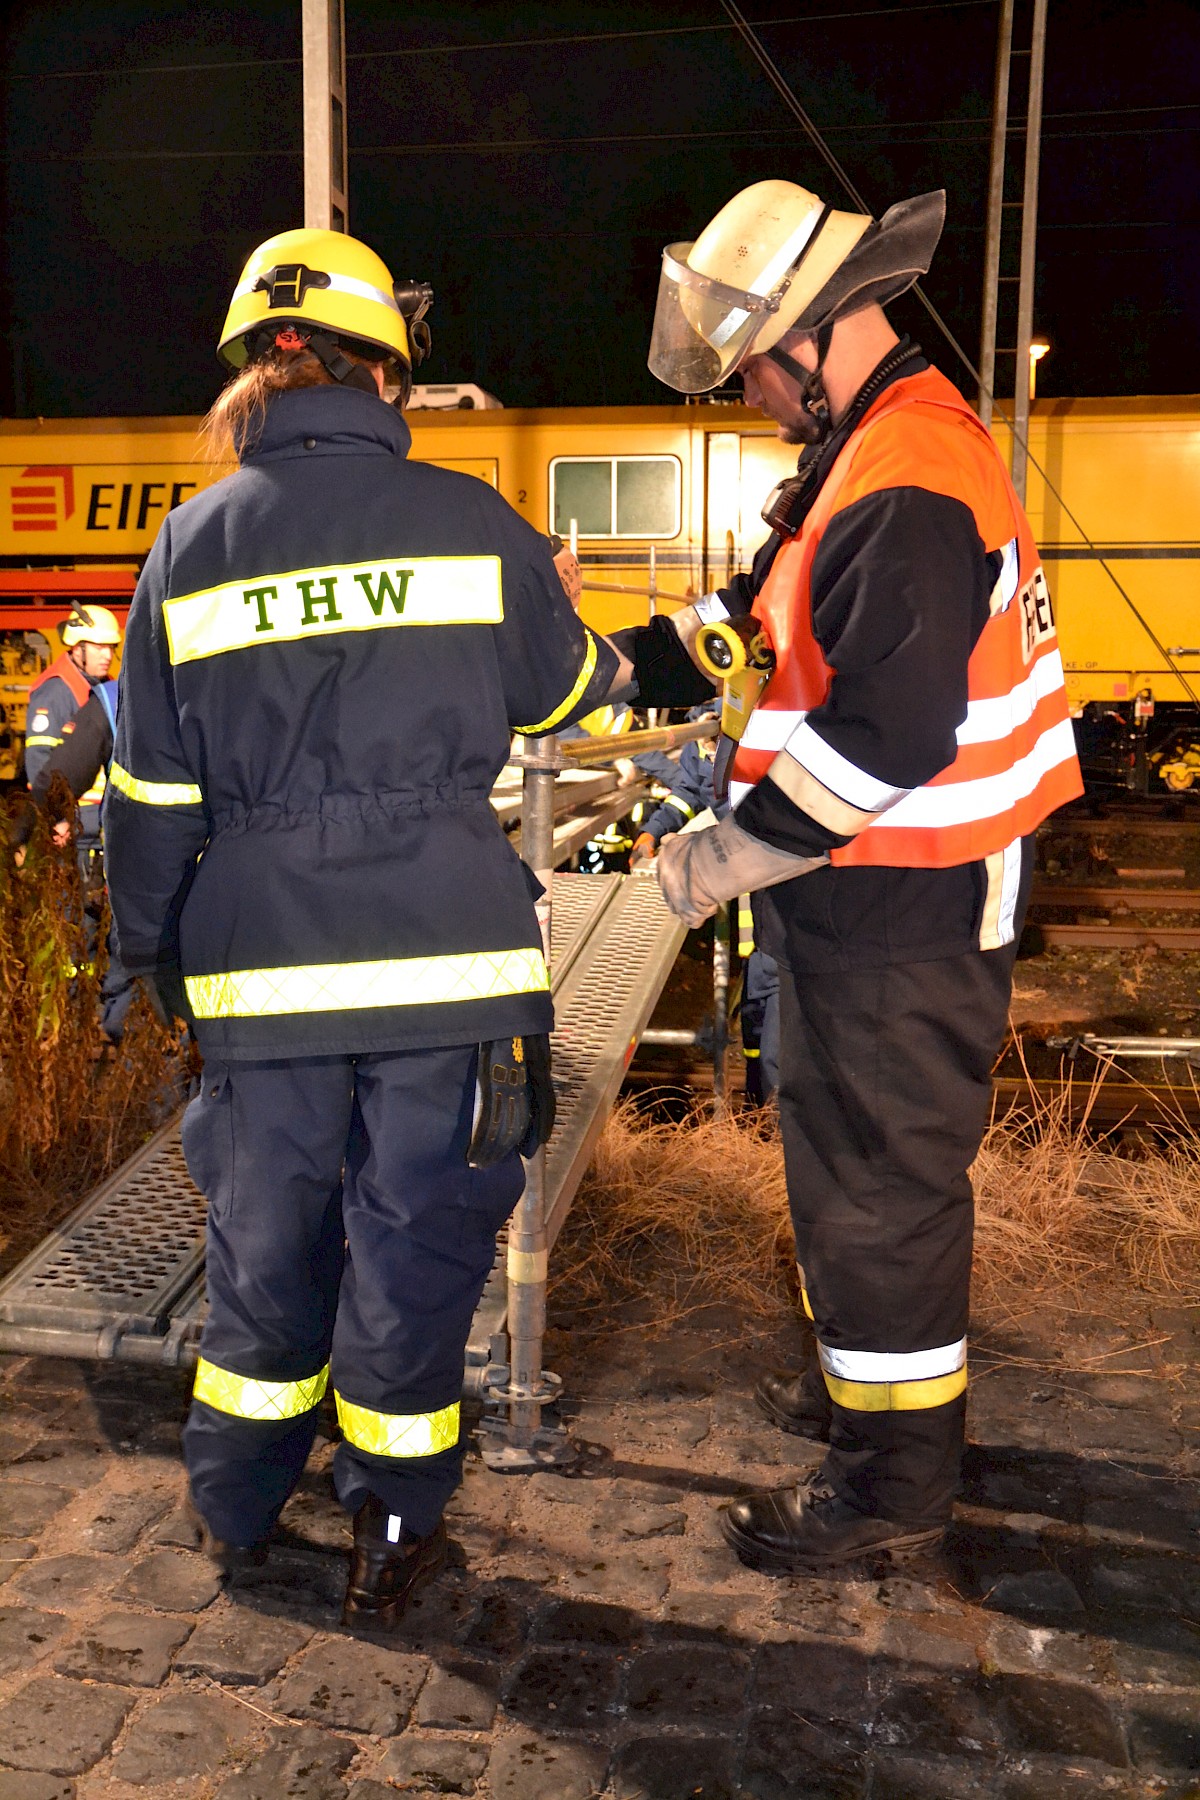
1120 899
1121 937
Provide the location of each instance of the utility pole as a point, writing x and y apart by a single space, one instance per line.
323 27
1029 204
994 279
995 215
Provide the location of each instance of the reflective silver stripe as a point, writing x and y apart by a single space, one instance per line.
970 802
710 609
1007 581
340 284
839 775
998 925
770 727
769 278
875 1365
1010 887
989 720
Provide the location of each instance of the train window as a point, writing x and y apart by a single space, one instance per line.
647 496
581 491
616 496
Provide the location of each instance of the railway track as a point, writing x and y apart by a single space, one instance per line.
1109 1105
1143 907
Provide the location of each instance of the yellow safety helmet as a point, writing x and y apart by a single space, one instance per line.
90 624
777 259
324 290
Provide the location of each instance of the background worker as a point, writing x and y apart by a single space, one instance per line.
69 731
325 657
82 760
691 794
91 637
913 735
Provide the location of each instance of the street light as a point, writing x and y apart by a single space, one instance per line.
1038 347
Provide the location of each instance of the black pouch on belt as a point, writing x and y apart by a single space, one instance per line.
514 1099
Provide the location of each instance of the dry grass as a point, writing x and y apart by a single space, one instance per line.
70 1110
699 1209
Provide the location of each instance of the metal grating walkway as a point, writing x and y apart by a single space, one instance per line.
122 1278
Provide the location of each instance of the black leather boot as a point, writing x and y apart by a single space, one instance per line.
797 1403
230 1559
792 1529
385 1573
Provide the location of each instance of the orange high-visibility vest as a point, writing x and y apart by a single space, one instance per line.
1016 759
81 690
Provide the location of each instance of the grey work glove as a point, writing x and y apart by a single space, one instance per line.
697 870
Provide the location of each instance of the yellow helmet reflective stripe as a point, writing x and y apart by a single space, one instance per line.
323 279
100 627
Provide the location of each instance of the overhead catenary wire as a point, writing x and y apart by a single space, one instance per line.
415 50
606 140
779 82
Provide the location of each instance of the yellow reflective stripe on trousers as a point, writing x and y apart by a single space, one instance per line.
398 1434
245 1397
896 1396
303 603
154 793
894 1381
345 987
560 712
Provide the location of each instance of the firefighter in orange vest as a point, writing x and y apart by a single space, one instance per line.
90 639
886 788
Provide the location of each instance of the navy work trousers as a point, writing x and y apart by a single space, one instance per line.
885 1091
344 1228
760 1027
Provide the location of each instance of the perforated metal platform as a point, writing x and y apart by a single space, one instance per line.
123 1279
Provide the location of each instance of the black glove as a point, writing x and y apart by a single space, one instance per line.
166 995
542 1100
515 1105
666 674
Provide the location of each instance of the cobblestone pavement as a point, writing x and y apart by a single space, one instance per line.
594 1635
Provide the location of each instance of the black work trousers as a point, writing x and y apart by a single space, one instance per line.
348 1245
885 1090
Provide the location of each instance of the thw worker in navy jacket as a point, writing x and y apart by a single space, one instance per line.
325 657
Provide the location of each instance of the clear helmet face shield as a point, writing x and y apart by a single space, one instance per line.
702 327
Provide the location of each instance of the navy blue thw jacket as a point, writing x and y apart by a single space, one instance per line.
325 656
691 791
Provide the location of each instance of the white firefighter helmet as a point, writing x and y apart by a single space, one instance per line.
777 259
90 624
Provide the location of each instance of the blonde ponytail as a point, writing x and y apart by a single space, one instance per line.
234 422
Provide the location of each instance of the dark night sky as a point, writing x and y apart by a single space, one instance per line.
136 180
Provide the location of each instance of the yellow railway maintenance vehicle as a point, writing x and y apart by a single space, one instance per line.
665 502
